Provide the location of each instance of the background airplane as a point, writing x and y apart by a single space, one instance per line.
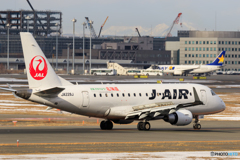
194 69
176 104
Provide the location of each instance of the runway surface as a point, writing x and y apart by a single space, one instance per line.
217 135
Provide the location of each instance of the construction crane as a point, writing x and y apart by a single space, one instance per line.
174 22
138 32
90 26
102 27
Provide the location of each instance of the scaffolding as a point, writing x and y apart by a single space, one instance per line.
41 23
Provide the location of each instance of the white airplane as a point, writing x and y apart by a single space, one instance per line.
177 104
194 69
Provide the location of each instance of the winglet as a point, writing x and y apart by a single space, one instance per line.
195 95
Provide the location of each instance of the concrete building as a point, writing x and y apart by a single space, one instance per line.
202 47
138 49
174 47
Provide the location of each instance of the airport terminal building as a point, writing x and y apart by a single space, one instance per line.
202 47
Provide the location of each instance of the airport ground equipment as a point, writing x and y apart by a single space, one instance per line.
120 69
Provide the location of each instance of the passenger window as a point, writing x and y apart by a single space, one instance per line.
123 95
100 95
112 95
157 94
117 95
94 95
140 94
146 94
160 94
128 94
134 94
106 94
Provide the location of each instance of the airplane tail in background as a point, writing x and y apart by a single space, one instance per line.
39 71
219 60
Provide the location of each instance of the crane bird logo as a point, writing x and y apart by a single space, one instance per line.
38 70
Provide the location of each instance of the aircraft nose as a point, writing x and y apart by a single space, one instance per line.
222 104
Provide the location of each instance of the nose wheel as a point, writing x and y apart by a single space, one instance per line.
196 123
143 126
106 125
196 126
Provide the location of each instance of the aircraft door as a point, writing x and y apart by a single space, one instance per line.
85 99
204 97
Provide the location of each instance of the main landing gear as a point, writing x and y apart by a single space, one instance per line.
106 125
143 126
196 123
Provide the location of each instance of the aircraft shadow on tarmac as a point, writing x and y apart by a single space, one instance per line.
122 130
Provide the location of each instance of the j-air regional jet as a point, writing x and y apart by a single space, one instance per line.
177 104
194 69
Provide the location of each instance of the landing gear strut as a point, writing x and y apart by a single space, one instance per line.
106 125
143 126
196 123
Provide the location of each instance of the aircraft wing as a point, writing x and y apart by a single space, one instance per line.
151 111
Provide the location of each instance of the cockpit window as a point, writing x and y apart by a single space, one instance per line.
213 93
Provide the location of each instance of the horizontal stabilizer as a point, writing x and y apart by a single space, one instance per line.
49 92
8 89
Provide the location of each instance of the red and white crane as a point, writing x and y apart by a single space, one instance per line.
176 21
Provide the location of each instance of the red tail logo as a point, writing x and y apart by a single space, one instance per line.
38 70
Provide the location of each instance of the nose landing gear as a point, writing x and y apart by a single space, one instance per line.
143 126
196 123
106 125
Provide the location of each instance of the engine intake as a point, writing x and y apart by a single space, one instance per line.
181 117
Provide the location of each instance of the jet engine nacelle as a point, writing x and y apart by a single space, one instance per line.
181 117
178 73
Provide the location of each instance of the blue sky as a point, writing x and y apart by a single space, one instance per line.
150 16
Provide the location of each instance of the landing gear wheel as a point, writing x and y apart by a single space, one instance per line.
143 126
140 126
196 124
106 125
147 126
103 125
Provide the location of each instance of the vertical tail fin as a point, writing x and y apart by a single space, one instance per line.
39 71
219 60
